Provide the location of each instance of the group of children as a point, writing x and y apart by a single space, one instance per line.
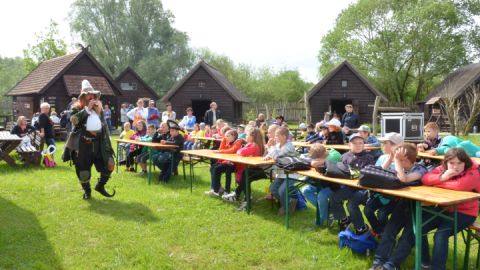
386 216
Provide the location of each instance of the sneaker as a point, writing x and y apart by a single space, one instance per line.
426 266
143 173
389 266
376 267
232 197
212 193
131 169
242 207
344 223
221 190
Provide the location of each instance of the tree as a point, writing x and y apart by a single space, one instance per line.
48 46
12 70
404 47
135 33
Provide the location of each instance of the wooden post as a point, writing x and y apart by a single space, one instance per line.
308 116
374 116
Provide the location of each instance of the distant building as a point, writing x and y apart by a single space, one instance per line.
343 85
133 87
202 85
59 79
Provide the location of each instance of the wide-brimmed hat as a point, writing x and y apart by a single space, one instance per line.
173 125
334 122
87 88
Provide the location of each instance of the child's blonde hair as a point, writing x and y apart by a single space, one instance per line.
283 131
432 125
317 150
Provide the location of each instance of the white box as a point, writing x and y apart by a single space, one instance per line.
409 125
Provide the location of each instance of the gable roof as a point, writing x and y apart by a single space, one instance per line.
216 75
135 74
455 83
49 71
73 83
332 73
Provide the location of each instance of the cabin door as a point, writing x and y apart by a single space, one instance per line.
337 106
200 106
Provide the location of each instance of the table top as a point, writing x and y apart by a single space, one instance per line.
6 136
433 195
207 138
149 144
334 146
252 161
440 157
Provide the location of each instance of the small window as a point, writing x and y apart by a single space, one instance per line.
344 83
128 86
201 84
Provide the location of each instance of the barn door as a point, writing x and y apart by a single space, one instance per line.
356 106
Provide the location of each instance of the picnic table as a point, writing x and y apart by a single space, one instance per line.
420 194
150 146
440 157
251 162
342 147
8 142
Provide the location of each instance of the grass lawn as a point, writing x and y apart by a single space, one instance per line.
44 224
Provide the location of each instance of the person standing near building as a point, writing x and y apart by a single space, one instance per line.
153 117
212 115
123 114
349 120
169 114
108 116
46 125
138 114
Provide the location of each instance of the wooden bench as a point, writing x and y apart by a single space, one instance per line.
31 154
472 232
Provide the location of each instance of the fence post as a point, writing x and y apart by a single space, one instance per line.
374 116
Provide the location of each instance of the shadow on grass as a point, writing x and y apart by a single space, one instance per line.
122 210
23 243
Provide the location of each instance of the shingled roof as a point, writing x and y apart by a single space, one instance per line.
455 84
216 75
332 73
49 71
73 84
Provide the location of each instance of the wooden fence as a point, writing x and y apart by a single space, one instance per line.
292 112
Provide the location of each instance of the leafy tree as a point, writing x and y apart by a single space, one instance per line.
12 70
136 33
48 46
404 46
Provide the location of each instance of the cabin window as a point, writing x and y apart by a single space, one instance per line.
202 84
344 83
129 86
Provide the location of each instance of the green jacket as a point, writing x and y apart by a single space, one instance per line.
79 120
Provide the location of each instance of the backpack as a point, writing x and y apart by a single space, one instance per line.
361 244
337 170
292 163
378 177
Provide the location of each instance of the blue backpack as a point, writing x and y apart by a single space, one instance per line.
362 244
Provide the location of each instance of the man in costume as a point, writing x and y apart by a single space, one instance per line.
95 147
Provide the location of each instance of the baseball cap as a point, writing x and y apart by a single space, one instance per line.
356 135
364 128
394 137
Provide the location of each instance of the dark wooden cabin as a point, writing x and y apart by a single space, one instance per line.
202 85
59 79
454 86
133 87
343 85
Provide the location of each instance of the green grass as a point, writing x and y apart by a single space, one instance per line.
44 224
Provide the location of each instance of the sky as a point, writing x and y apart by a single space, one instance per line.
281 34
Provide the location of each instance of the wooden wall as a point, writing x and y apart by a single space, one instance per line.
356 91
189 91
131 96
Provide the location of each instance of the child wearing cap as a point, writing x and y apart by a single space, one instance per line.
370 141
387 256
163 160
451 141
355 159
318 192
241 132
376 201
310 133
335 134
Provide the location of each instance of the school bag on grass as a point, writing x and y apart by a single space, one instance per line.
362 244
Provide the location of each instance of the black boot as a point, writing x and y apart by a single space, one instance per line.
87 191
100 187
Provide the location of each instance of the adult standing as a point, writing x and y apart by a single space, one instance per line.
46 125
349 119
108 116
260 119
189 120
123 114
169 114
95 147
138 114
153 117
212 115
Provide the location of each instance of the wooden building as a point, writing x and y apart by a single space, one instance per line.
133 87
57 80
453 86
202 85
343 85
